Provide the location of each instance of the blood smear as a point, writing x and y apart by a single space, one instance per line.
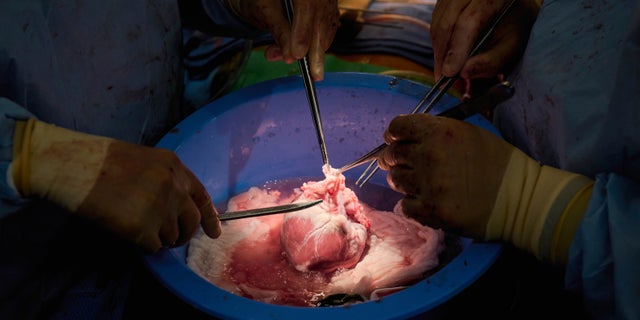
342 246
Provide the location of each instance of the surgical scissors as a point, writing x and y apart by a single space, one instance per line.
433 96
310 89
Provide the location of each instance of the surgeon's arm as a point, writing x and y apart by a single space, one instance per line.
466 179
143 194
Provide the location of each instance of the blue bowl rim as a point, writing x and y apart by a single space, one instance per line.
168 265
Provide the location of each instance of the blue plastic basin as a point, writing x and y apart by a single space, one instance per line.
264 133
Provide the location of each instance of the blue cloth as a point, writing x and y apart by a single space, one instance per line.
394 28
111 68
9 113
576 108
606 251
212 64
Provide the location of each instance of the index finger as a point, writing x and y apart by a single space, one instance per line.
280 28
208 214
304 20
408 127
444 18
316 58
472 20
460 26
209 220
326 26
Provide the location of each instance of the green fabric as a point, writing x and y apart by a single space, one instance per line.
258 69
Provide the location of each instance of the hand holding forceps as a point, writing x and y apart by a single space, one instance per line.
310 90
432 97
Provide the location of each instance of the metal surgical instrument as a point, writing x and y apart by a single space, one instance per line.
310 89
433 96
231 215
496 94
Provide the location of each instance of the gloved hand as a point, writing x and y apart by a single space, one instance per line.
466 180
457 24
141 193
314 26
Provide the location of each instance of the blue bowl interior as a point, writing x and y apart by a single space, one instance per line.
263 134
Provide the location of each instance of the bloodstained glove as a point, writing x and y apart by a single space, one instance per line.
141 193
464 179
314 26
458 24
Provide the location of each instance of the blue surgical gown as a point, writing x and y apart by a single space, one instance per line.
111 68
115 72
576 107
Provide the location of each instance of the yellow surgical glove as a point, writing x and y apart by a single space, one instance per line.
538 208
143 194
467 180
56 164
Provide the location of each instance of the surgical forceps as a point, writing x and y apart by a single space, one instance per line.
310 89
232 215
433 96
496 94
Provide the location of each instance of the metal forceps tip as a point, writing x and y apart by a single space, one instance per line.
483 103
310 90
432 96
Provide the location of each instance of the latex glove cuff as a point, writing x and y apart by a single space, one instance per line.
56 164
539 208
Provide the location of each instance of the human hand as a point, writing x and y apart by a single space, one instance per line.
448 170
143 194
466 180
457 24
314 26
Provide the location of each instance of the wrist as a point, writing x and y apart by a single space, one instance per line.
509 219
559 241
538 208
63 164
22 156
560 202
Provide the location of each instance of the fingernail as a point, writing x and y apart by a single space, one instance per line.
273 53
299 50
318 72
448 66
